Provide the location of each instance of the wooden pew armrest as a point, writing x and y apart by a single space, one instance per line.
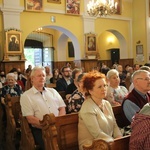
118 144
98 144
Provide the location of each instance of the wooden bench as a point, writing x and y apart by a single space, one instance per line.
62 94
13 110
61 133
120 117
51 85
27 140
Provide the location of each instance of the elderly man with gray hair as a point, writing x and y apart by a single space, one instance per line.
38 101
139 96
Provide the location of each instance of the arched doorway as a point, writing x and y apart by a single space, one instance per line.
60 44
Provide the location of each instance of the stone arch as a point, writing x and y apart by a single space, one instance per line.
122 42
62 42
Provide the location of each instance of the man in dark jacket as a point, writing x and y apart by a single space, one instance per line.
62 83
139 96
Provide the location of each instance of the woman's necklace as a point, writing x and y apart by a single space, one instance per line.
101 106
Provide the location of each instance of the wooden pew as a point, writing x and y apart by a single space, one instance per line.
118 144
51 85
13 110
120 117
17 123
27 140
62 94
61 133
2 132
66 126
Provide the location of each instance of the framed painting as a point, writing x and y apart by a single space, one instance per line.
54 1
34 5
118 4
73 7
13 42
90 43
139 49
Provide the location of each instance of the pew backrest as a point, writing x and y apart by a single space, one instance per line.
13 109
67 127
27 140
120 144
61 133
120 117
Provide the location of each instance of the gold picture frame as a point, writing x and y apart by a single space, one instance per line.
139 49
34 5
91 43
119 6
73 7
91 46
13 45
13 42
54 1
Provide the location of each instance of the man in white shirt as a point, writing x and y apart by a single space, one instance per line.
38 101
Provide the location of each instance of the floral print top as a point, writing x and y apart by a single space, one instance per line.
116 95
75 102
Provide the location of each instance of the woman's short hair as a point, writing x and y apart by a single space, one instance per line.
111 73
89 79
10 75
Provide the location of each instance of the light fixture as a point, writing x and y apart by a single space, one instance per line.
39 29
110 40
101 7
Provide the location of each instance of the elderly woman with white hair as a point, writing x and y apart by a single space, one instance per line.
115 92
11 87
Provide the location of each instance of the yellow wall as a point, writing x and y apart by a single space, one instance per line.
139 26
71 23
30 21
104 45
103 25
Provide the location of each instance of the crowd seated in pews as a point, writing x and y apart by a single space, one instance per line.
39 81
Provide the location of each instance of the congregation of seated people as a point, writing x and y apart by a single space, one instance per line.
89 94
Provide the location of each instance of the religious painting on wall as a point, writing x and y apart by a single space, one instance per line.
139 49
13 42
34 5
73 7
90 43
91 46
118 4
13 45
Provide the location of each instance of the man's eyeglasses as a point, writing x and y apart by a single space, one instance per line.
146 79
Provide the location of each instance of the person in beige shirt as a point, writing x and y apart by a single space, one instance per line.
96 118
